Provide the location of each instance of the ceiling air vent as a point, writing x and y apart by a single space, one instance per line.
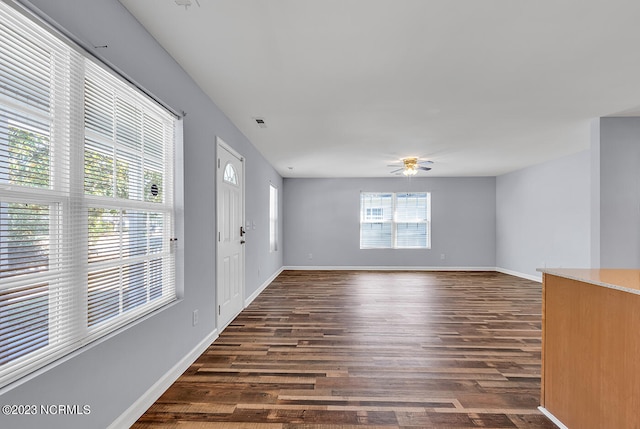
260 122
186 3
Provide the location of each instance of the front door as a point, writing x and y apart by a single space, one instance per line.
230 249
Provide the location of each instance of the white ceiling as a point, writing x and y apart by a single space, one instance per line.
480 87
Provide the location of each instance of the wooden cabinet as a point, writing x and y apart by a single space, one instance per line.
591 348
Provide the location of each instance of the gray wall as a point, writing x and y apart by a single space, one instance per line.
543 216
113 374
322 218
620 192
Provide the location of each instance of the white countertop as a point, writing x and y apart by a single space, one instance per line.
626 280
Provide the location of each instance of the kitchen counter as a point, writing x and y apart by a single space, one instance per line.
621 279
591 348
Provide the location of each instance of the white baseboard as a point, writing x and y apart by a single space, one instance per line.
143 403
553 418
401 268
521 275
385 268
264 285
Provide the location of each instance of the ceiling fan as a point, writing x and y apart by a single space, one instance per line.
410 166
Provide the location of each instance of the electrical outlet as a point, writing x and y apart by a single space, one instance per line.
195 317
443 256
310 257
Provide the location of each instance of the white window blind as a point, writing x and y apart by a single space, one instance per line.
128 193
273 218
395 220
86 199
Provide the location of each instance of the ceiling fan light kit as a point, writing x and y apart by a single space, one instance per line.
410 172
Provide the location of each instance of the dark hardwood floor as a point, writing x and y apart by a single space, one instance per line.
361 349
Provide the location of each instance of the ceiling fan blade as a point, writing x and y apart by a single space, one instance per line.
423 168
395 165
425 162
396 171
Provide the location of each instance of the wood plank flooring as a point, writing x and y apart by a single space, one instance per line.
362 349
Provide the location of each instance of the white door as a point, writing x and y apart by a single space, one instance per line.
230 249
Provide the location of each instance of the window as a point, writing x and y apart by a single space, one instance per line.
230 175
86 199
391 220
273 218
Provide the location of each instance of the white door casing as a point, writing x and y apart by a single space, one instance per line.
230 234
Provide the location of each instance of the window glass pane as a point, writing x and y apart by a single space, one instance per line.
155 279
103 299
155 229
24 239
24 320
98 168
273 218
120 289
128 176
98 109
24 69
153 137
376 207
375 235
411 235
411 207
24 151
138 139
229 175
116 235
128 125
153 185
104 234
134 291
134 233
